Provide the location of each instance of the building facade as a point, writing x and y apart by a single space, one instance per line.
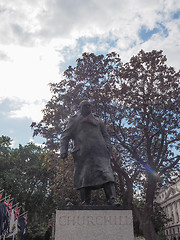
169 199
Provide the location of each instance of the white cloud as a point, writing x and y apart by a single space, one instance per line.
32 140
91 47
29 72
27 75
19 21
31 110
39 37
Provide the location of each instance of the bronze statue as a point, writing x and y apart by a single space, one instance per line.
91 153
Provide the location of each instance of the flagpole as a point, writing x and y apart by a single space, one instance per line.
23 214
15 205
1 191
4 198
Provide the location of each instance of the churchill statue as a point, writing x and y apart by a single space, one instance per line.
91 153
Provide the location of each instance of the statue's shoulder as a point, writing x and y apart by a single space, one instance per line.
74 116
96 117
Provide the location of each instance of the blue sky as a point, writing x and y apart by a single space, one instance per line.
39 39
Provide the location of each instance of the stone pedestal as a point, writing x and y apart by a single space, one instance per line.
94 224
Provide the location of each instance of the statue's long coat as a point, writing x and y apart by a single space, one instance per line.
91 151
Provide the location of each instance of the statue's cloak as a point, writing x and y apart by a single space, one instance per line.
91 150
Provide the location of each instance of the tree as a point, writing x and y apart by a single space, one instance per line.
90 79
150 91
139 102
27 180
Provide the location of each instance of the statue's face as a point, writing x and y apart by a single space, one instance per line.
85 108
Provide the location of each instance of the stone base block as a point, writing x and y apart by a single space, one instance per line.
94 225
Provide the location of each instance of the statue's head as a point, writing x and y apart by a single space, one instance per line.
85 108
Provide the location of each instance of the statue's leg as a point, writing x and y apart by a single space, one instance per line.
110 192
85 195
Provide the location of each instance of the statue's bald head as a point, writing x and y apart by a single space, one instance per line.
84 102
85 107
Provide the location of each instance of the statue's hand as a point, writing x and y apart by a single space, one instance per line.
63 155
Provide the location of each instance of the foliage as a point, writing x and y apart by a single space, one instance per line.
63 184
25 178
158 217
151 94
139 102
88 80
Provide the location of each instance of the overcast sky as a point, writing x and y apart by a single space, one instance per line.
39 39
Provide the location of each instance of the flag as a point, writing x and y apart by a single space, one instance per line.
25 218
4 221
23 225
12 224
16 216
1 193
8 203
17 212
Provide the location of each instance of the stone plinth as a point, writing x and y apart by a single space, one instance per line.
94 225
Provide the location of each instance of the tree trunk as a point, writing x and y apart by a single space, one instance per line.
148 230
127 200
146 225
